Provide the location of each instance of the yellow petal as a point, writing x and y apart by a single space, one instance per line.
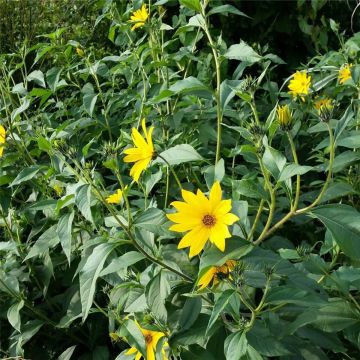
183 218
182 227
229 219
218 235
206 278
150 355
223 207
215 195
138 140
138 168
132 350
198 235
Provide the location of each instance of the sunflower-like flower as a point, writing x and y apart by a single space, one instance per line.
284 116
139 17
205 219
216 274
151 340
2 139
344 73
300 84
323 103
142 152
115 198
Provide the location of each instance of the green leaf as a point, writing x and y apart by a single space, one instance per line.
13 314
197 21
90 273
150 219
219 306
63 230
24 105
178 154
189 313
342 123
26 174
242 52
89 101
191 4
343 222
214 173
46 241
53 78
333 317
83 201
249 188
274 161
66 355
293 169
135 336
156 293
188 84
235 345
122 262
38 77
225 9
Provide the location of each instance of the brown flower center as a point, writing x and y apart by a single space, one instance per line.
148 338
209 220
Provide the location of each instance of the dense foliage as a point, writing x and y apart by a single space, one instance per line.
174 189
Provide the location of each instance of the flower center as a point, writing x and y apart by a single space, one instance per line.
148 339
209 220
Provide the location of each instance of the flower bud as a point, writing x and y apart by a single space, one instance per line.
284 117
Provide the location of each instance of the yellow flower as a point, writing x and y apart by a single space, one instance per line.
142 152
2 139
207 219
300 84
324 103
80 52
151 340
344 73
215 272
284 116
139 17
115 198
58 189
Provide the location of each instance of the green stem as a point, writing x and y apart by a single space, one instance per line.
257 218
295 204
272 203
172 171
219 112
314 203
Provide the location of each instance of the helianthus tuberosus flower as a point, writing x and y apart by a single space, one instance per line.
205 219
344 73
151 340
323 103
300 84
139 17
2 139
115 198
284 116
214 274
80 52
142 152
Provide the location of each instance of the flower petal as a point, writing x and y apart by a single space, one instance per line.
205 280
215 195
229 219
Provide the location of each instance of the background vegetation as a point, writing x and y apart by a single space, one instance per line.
76 271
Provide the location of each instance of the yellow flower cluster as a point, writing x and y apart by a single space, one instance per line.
300 84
